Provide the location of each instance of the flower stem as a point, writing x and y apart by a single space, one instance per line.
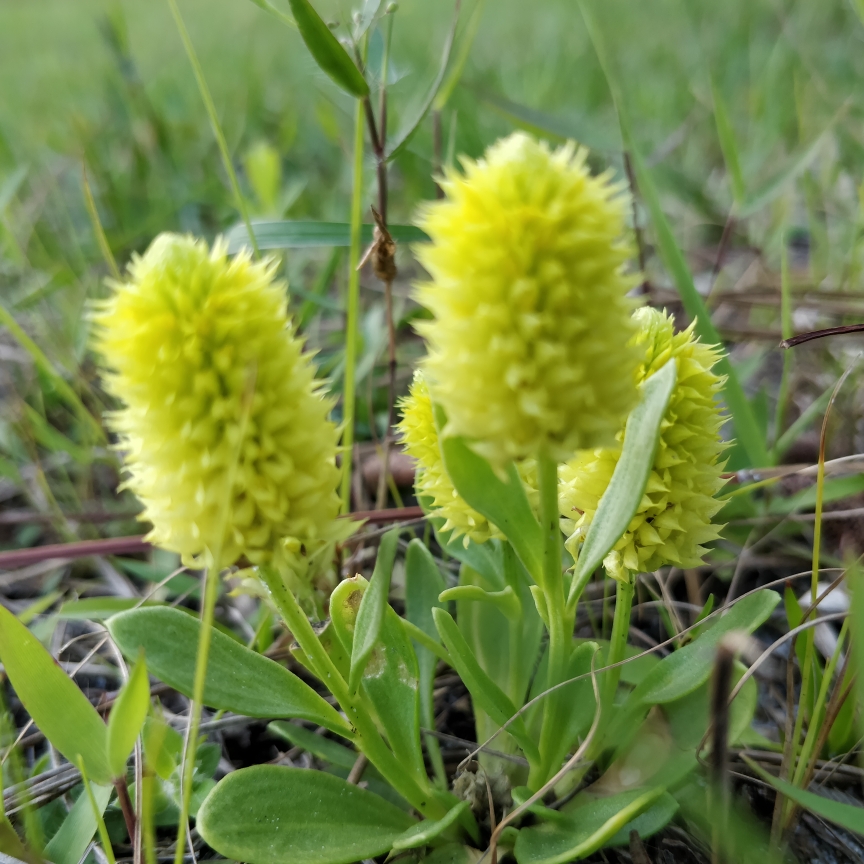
618 642
368 739
560 636
211 591
353 313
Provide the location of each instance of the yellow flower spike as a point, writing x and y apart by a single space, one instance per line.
420 437
675 514
215 387
528 346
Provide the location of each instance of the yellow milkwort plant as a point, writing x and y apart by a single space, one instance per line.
528 346
420 437
675 515
224 429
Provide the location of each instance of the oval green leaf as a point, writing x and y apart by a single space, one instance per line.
127 717
627 486
238 679
52 699
268 814
326 49
485 693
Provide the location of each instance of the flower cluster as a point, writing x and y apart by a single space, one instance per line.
433 482
528 346
675 514
224 428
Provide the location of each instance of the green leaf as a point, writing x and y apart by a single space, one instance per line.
423 833
445 91
726 134
588 828
485 693
746 426
370 615
423 584
99 608
485 558
401 139
327 51
835 489
340 757
621 499
689 667
73 837
506 599
268 814
790 172
238 679
52 699
391 678
848 816
163 745
290 234
504 503
278 13
127 717
319 746
815 409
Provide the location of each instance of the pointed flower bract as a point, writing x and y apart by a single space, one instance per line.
675 514
217 392
528 349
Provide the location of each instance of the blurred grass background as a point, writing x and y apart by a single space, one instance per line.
750 109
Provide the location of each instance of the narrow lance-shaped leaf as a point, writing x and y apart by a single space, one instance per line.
726 134
849 816
621 499
73 837
298 234
370 615
127 717
268 814
52 699
326 49
485 693
407 133
504 503
238 679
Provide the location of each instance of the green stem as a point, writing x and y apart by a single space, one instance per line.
618 642
353 313
560 635
368 739
211 592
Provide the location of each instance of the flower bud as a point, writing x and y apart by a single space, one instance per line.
223 427
528 346
674 518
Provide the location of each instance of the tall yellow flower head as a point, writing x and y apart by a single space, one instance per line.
528 346
675 515
223 426
420 437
